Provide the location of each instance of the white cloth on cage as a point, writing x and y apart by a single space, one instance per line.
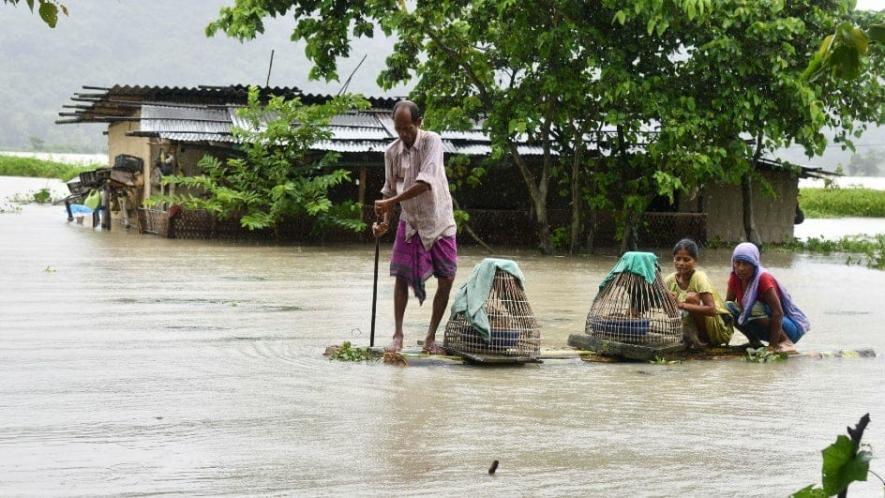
472 294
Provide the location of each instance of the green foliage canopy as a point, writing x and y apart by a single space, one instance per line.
705 76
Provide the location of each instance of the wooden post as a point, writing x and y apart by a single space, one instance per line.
106 207
361 197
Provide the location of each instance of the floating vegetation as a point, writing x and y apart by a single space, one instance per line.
348 352
764 355
7 207
42 196
866 250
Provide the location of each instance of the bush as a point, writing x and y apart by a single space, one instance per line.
832 203
28 166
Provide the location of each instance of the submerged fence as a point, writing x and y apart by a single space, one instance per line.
495 227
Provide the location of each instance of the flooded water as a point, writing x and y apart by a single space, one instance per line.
137 365
836 228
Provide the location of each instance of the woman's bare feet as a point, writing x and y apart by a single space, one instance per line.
785 346
395 346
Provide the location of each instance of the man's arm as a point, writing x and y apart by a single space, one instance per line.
388 191
385 206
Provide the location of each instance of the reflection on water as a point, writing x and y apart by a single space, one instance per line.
143 365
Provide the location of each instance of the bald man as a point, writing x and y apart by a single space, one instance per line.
415 178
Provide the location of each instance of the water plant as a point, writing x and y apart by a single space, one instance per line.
844 462
42 196
347 352
6 206
866 250
764 355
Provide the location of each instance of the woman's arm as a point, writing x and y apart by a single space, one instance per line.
776 319
706 307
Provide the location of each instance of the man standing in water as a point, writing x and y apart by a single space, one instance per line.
415 178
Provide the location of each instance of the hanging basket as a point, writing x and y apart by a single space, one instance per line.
628 309
513 333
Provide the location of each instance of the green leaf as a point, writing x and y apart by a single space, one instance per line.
809 492
49 13
516 126
877 33
842 465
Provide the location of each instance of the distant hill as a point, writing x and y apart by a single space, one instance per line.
162 42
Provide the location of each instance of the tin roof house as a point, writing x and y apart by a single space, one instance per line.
148 125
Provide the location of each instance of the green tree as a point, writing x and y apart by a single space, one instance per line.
743 71
674 93
47 9
276 175
523 69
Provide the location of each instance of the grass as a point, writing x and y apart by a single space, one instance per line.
840 202
27 166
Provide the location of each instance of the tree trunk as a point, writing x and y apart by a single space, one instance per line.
590 228
630 238
749 222
577 227
747 195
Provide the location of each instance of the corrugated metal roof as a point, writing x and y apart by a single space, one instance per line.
354 133
197 137
350 146
360 131
474 135
359 119
184 113
484 150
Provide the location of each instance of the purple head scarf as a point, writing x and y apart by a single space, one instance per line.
749 253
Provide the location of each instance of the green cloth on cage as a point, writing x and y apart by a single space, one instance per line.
472 294
644 264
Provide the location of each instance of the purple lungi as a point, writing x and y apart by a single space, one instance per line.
414 264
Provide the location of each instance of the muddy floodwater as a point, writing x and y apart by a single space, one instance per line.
136 365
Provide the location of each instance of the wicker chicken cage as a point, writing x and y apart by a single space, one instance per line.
634 307
513 335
